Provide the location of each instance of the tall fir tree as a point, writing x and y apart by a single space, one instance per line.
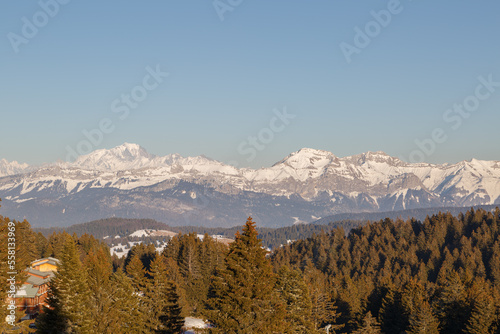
295 295
423 321
164 310
452 307
243 299
369 326
69 296
103 307
392 315
129 311
482 307
135 269
171 321
323 310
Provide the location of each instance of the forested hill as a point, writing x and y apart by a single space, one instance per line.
402 276
418 214
439 275
107 227
271 237
123 227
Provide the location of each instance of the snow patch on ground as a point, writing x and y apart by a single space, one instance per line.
192 324
140 233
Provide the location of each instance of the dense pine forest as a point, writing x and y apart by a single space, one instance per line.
440 275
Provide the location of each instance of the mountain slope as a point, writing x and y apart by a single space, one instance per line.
127 181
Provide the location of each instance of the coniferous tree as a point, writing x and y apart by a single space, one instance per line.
135 269
56 244
295 295
172 320
482 308
423 321
128 307
243 299
69 296
189 265
452 308
164 314
323 309
103 308
392 313
369 326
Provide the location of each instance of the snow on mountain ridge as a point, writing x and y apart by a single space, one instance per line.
133 157
126 156
306 157
12 168
129 182
307 172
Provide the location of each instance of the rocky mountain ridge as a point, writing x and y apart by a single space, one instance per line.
127 181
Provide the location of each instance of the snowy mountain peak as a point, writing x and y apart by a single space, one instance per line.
132 156
377 154
126 156
374 157
131 149
11 168
308 158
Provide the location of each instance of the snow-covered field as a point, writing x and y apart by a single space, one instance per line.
122 250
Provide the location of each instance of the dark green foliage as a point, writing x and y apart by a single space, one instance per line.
191 264
243 298
128 313
482 307
369 325
108 227
441 274
69 297
162 300
423 321
144 253
392 314
137 273
171 320
294 293
436 276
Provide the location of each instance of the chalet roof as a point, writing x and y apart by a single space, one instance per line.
43 274
37 280
27 291
49 259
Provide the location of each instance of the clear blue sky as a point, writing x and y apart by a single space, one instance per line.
227 76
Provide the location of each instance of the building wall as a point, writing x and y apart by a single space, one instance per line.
45 267
32 305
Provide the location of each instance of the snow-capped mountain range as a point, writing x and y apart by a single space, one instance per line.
127 181
11 168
